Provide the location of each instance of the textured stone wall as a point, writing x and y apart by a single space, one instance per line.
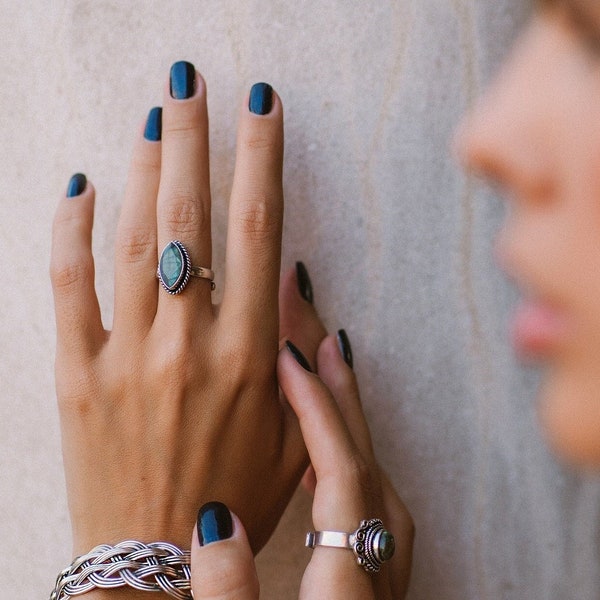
396 239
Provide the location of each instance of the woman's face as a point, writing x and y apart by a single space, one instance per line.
537 134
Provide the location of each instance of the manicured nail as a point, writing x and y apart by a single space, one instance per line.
304 284
183 78
214 523
76 185
261 99
153 130
300 358
345 347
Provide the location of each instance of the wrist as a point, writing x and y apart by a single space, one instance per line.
128 569
124 594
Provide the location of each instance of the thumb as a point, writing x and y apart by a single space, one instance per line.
222 561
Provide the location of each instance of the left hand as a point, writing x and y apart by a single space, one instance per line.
164 411
350 487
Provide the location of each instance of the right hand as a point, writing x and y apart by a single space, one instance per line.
350 487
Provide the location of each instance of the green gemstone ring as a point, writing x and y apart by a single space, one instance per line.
371 543
175 268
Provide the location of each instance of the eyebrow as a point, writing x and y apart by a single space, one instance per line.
585 12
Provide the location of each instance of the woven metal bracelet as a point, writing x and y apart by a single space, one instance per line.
155 567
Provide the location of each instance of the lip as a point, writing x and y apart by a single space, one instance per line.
538 329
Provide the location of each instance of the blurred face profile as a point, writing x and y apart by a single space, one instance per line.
536 133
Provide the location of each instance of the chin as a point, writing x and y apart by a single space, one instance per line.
569 412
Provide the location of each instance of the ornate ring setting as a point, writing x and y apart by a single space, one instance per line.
175 268
371 543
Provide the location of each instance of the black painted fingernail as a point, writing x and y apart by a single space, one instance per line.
345 347
304 284
183 78
300 358
214 523
153 130
76 185
261 99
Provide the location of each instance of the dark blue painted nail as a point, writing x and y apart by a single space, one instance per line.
214 523
345 347
183 78
300 358
76 185
261 99
153 130
304 283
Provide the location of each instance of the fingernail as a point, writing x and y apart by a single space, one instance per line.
214 523
183 78
261 99
153 130
300 358
76 185
304 284
345 347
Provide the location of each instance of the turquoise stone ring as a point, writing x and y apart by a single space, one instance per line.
371 543
175 268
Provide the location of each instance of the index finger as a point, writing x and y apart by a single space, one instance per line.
253 253
344 492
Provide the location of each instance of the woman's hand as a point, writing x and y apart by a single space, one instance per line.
349 487
179 403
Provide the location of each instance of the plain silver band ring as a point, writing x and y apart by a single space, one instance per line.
203 273
371 543
331 539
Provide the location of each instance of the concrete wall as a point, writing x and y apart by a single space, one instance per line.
396 240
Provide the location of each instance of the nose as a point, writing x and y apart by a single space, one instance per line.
505 137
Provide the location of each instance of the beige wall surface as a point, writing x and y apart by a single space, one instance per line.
396 239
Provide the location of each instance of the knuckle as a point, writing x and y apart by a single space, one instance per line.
71 219
260 141
186 213
144 167
66 276
76 400
135 245
238 362
260 217
246 370
173 364
358 472
182 129
188 122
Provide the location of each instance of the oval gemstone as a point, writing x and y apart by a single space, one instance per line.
171 265
386 546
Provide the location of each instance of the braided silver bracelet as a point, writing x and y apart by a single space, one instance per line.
155 567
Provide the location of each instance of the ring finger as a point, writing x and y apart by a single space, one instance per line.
183 205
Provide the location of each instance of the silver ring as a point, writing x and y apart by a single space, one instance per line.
175 268
371 543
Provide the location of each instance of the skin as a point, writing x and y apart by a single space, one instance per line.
536 134
160 414
153 424
349 485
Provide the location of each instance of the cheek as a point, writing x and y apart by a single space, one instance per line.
569 407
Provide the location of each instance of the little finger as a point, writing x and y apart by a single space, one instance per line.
78 320
255 216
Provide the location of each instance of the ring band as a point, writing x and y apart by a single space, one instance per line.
371 543
175 268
